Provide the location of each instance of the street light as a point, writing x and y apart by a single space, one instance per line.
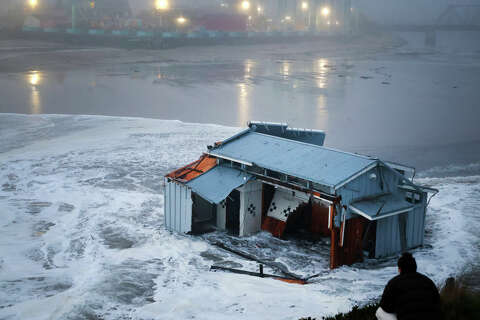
259 10
162 5
245 5
326 11
181 20
33 3
304 5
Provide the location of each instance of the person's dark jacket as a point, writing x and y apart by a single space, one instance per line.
411 296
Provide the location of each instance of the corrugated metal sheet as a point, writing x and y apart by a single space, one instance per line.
216 184
310 162
282 130
388 237
390 232
382 205
178 207
416 226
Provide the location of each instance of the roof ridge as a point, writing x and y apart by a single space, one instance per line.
317 146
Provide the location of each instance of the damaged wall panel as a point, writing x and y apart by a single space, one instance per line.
319 222
250 208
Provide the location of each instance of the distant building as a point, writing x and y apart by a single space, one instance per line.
274 178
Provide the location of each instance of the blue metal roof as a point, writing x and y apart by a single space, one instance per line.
216 184
306 161
283 131
381 206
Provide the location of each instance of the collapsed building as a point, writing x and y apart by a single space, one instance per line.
278 179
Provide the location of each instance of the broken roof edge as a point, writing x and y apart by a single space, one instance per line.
401 205
216 184
194 169
402 178
229 139
386 215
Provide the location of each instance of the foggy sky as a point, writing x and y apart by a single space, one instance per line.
379 11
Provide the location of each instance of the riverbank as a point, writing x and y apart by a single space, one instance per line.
20 55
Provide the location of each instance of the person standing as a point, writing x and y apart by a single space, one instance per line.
410 295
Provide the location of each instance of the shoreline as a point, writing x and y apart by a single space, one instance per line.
20 55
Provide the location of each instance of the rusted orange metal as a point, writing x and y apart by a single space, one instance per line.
351 251
274 226
296 281
194 169
334 254
319 222
352 244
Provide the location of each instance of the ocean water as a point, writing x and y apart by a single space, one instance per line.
82 231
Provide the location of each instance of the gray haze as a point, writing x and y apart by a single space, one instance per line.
379 11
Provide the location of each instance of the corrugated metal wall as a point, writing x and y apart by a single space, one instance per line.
389 240
396 233
388 237
364 186
177 207
416 225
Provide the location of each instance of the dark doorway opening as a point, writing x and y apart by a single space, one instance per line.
233 213
204 215
369 239
308 222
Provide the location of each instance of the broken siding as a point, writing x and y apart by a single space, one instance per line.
250 208
396 233
178 207
363 186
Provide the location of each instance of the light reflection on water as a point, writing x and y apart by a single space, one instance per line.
244 112
321 68
321 116
34 78
286 69
249 67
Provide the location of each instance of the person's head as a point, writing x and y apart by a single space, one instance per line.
406 263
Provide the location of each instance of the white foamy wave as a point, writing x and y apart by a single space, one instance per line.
471 169
82 234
